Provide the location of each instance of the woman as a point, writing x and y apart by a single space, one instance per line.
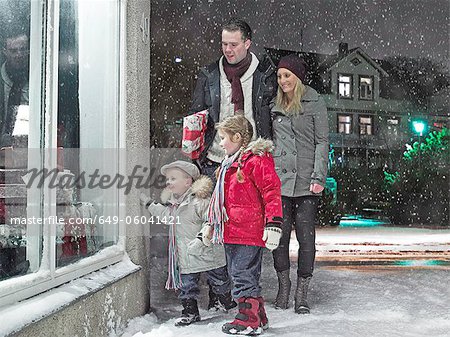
300 127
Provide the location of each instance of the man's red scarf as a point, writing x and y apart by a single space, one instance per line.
234 73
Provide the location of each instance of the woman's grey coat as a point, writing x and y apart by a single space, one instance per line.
301 145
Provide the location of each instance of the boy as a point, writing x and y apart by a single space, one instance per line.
184 205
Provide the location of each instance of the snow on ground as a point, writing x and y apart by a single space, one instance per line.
384 238
382 234
366 301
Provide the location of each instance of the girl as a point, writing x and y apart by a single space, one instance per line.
300 127
245 210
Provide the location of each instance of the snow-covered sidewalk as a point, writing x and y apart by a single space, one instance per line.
367 301
379 238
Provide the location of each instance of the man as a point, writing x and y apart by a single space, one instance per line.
237 83
14 75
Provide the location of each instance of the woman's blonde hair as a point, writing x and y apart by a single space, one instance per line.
238 124
291 107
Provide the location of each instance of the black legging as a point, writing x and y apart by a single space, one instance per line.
299 212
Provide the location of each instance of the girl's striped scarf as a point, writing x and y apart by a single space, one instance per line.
217 214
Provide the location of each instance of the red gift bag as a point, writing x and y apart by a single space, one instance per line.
194 129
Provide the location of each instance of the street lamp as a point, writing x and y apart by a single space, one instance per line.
419 128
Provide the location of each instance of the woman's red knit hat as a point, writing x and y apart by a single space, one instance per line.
295 64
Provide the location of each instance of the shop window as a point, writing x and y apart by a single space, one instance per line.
15 114
88 127
62 143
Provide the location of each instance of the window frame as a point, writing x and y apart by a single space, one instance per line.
350 123
372 78
350 97
47 275
397 119
365 124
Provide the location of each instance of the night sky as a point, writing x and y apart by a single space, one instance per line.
191 30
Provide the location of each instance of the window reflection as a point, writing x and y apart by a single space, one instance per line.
87 124
15 76
87 132
14 130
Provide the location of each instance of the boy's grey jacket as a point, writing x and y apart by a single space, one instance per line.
192 213
301 146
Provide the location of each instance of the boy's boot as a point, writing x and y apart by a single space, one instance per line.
189 314
213 300
226 301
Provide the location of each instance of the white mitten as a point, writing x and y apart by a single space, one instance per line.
271 237
144 199
206 235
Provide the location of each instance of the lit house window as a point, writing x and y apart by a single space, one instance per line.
345 124
365 125
366 88
393 121
345 86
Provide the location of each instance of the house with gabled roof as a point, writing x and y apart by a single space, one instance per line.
368 110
